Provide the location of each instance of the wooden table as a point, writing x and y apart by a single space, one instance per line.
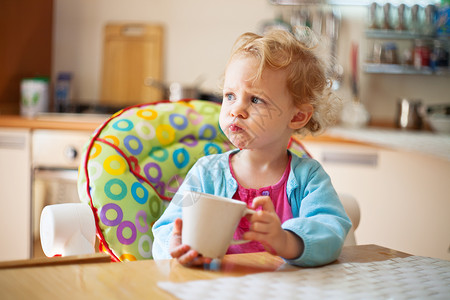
138 280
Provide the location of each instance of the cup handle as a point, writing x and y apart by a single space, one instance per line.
247 211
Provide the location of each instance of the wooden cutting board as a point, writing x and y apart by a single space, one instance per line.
131 53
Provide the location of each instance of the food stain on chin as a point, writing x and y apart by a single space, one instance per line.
236 135
238 141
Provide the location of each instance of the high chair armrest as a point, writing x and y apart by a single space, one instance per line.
67 229
353 211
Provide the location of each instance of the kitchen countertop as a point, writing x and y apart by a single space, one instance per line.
85 122
425 142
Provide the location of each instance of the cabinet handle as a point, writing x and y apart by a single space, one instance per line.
70 153
12 142
366 159
55 174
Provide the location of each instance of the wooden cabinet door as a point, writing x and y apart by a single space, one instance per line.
132 53
25 47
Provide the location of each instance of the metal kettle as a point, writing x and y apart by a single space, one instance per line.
409 114
175 91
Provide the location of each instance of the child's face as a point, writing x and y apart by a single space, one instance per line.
256 114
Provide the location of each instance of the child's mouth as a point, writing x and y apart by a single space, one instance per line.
235 128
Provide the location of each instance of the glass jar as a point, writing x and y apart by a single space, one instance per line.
421 54
389 54
439 57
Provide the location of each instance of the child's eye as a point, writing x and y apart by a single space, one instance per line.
229 97
257 100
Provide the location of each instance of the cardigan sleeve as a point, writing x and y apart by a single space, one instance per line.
320 219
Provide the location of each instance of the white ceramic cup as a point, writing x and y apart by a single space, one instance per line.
209 222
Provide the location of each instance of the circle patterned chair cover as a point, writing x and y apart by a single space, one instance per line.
135 162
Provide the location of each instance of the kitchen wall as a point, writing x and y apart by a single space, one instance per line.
198 35
198 39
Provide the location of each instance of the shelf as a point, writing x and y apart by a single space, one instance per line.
400 35
403 70
321 2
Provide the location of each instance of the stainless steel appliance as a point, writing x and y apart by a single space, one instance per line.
408 116
56 155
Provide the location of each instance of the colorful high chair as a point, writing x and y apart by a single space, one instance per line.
131 168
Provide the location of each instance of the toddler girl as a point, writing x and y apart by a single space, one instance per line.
274 86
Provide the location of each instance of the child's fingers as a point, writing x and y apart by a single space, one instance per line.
183 253
261 216
175 240
179 251
187 257
260 227
254 236
177 227
265 202
192 258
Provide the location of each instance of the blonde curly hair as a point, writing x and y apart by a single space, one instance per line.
308 79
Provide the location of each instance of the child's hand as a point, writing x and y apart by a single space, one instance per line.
183 253
266 228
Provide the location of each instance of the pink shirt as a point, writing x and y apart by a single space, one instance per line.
279 198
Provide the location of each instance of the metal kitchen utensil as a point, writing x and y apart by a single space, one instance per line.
408 115
354 113
415 20
401 10
175 91
331 30
387 21
373 18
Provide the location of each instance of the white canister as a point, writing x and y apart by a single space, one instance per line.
34 96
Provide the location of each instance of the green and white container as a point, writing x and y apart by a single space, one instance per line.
34 96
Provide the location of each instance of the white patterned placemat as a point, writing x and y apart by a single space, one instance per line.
413 277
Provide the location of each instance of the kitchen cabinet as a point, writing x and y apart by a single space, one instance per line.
404 196
37 167
26 28
15 193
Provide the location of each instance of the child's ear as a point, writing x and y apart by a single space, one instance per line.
303 115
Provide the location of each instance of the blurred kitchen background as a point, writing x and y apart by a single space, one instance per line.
50 37
97 56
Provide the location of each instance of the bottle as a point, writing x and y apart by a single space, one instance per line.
421 54
439 56
415 18
63 92
373 16
401 20
428 27
443 19
34 96
389 53
387 17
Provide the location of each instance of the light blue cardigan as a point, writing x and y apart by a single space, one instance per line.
318 215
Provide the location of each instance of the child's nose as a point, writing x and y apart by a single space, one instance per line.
239 110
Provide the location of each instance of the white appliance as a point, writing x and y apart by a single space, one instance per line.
56 156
